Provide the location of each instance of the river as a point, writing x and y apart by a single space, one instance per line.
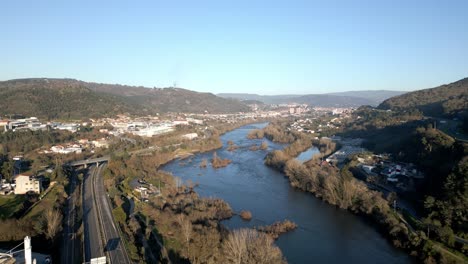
325 234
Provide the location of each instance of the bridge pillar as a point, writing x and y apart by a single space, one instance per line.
85 165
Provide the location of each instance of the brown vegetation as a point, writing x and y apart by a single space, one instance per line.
254 148
246 215
255 134
203 163
217 162
340 188
264 145
276 229
276 132
249 246
232 147
53 223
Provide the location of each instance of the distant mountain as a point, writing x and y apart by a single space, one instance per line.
73 99
267 99
445 100
342 99
327 100
377 96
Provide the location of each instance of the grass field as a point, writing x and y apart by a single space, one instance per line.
10 204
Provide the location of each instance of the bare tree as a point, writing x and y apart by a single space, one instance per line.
249 246
186 228
178 182
235 247
53 221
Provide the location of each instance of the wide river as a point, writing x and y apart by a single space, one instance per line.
325 234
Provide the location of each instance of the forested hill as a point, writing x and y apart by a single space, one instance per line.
73 99
446 100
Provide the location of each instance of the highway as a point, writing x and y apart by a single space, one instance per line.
113 243
93 247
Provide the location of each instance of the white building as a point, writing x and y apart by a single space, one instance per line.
27 182
66 150
70 127
190 136
153 130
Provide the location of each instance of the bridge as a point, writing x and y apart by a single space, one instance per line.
87 162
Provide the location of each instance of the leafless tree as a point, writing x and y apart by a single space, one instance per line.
235 246
53 221
186 228
249 246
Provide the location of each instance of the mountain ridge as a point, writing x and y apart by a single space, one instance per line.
66 98
444 100
338 99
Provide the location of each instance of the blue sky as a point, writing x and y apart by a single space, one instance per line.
264 47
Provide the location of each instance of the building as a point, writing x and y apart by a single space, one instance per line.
195 121
66 150
190 136
70 127
154 130
180 122
26 182
4 125
100 143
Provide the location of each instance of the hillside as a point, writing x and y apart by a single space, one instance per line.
445 100
171 99
342 99
73 99
57 99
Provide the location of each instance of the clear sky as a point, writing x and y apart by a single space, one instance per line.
264 47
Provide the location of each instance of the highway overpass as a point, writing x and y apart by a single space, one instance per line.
87 162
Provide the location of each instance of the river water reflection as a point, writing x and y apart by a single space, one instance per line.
325 234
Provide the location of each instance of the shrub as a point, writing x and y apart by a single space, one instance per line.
246 215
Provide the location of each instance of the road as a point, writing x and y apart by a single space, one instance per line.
70 252
92 229
113 243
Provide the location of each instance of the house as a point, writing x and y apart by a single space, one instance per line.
195 121
4 125
83 141
70 127
100 143
27 182
180 122
66 150
190 136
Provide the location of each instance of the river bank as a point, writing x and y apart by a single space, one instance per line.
173 223
338 187
247 184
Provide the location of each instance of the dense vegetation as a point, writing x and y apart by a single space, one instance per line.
442 195
57 99
72 99
446 100
443 158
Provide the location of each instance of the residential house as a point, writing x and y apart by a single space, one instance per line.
27 182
